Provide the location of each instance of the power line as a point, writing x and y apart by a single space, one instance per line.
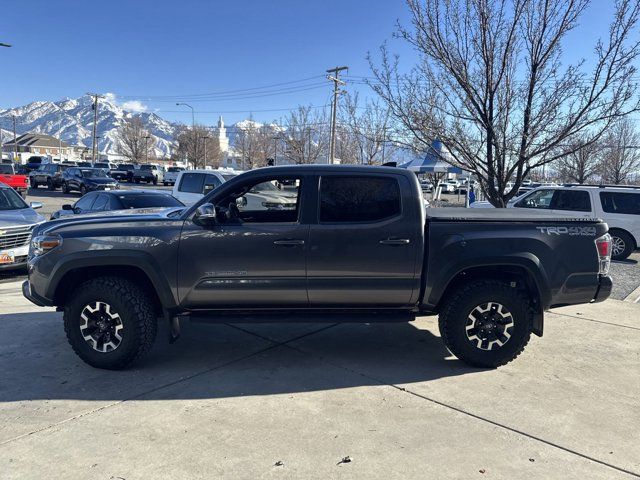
222 92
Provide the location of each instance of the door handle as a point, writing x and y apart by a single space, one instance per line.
395 241
288 242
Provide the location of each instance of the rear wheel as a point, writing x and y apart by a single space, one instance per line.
110 322
83 190
486 323
622 244
65 187
50 184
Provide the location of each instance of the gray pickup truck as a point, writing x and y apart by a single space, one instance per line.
357 245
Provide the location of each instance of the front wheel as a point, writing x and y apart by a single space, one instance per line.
110 322
65 187
486 323
50 184
83 190
622 244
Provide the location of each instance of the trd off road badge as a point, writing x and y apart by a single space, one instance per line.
582 231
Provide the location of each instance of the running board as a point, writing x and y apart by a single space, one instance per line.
324 316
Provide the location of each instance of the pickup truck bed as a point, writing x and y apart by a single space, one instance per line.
359 246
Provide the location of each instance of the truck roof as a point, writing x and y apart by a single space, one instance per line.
500 214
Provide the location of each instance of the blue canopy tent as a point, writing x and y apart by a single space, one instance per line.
433 162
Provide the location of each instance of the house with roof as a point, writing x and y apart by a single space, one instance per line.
40 144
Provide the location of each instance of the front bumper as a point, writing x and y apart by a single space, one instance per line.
20 257
33 297
109 186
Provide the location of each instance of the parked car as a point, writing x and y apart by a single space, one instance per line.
357 247
108 166
192 185
104 201
49 174
448 186
124 172
84 164
10 176
86 180
17 220
149 173
171 175
34 162
618 206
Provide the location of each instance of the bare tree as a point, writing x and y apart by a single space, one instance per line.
306 139
581 164
256 144
368 127
134 141
490 84
191 146
621 153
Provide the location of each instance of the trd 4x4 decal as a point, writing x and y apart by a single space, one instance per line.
584 231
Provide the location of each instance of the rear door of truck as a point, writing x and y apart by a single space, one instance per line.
364 243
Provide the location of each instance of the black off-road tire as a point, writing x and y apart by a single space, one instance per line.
155 180
50 184
34 184
83 190
454 317
620 238
65 187
135 310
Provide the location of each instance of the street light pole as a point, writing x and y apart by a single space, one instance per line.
193 129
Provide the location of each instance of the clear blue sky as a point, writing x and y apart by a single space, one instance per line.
139 48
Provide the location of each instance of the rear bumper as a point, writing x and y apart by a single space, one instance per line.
604 289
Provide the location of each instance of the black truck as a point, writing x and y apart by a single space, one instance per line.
359 246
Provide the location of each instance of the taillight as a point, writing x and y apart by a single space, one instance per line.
603 244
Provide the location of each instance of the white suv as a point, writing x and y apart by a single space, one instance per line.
192 185
619 206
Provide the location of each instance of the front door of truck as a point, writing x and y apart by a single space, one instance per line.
253 256
363 249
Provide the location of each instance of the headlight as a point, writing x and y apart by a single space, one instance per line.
42 244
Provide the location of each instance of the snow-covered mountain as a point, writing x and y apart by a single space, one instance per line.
72 120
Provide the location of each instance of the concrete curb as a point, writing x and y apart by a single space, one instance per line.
633 297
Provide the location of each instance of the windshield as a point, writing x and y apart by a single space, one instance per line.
97 173
145 167
175 169
10 200
6 169
228 177
148 200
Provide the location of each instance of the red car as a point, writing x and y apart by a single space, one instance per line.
8 176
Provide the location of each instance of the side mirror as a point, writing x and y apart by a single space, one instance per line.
66 206
205 215
241 202
35 205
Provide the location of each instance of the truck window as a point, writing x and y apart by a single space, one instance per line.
84 204
571 200
537 199
191 183
211 182
619 202
358 199
267 201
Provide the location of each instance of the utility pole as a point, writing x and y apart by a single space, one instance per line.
95 124
275 149
335 78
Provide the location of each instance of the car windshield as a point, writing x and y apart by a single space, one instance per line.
175 169
10 200
145 167
94 173
228 177
149 200
6 169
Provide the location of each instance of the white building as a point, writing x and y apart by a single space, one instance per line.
223 139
